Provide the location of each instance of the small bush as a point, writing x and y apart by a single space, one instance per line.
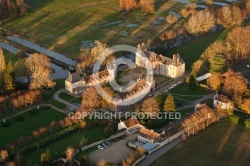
19 119
235 119
6 124
247 123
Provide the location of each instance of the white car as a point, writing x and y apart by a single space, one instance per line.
100 147
166 90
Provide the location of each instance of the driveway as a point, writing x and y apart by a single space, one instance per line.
114 153
70 105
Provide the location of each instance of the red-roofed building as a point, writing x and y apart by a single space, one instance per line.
131 125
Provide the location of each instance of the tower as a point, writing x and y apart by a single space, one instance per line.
112 71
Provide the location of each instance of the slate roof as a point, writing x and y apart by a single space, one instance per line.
73 78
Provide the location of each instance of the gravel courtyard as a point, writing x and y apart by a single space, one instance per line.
114 153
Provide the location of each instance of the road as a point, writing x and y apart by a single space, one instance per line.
158 153
70 105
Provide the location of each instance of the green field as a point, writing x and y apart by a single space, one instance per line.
28 125
60 146
66 96
223 143
183 94
63 25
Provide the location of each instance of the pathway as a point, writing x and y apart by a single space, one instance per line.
33 107
56 97
155 155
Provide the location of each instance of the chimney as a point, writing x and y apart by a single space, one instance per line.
178 59
174 59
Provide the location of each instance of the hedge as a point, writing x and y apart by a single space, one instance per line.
247 123
49 139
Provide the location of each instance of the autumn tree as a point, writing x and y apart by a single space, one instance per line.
91 98
238 41
4 155
228 16
9 82
171 19
70 154
200 22
89 56
218 64
215 81
128 5
39 66
189 10
147 6
248 7
209 2
102 162
234 82
21 53
2 67
107 101
12 8
169 104
150 106
245 105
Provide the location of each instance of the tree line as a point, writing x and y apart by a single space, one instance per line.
12 8
146 6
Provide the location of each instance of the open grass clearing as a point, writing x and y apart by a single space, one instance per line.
30 123
57 148
223 143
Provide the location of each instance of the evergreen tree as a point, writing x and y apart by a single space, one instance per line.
218 64
169 104
45 157
193 81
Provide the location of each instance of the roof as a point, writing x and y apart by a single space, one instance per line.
131 122
150 134
73 78
222 98
101 74
149 146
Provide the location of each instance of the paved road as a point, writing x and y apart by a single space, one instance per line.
70 105
155 155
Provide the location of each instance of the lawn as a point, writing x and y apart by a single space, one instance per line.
63 25
183 94
66 96
223 143
60 146
9 56
30 123
56 103
190 52
160 79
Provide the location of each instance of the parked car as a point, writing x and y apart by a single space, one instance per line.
100 147
104 145
166 90
108 143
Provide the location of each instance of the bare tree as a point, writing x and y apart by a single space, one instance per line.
150 106
91 98
200 22
39 67
229 16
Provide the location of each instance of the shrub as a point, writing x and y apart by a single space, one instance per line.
247 123
6 124
235 119
19 119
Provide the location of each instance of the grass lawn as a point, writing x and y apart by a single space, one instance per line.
60 146
77 100
183 94
223 143
56 103
9 56
190 52
28 125
66 96
160 79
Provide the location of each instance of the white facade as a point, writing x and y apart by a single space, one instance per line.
222 101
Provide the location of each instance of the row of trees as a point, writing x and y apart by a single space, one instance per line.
12 8
36 66
19 99
147 6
